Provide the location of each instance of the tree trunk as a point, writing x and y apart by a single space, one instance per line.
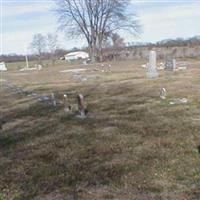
92 52
95 53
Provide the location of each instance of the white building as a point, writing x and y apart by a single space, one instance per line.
3 66
76 55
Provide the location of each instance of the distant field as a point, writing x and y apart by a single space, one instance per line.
133 145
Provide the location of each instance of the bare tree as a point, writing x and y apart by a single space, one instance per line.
117 40
95 20
52 45
38 45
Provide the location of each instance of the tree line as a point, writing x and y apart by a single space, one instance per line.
100 23
117 42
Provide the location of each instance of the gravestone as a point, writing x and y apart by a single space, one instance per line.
163 93
170 64
53 99
81 106
151 70
67 107
3 66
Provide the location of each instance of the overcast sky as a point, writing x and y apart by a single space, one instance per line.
21 19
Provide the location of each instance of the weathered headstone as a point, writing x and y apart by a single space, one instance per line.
81 106
170 64
53 99
67 107
163 93
152 71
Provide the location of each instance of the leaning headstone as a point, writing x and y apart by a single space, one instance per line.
81 106
53 99
163 93
151 70
170 64
67 107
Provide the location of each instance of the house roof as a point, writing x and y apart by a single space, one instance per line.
76 53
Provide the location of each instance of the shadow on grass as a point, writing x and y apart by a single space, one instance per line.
38 110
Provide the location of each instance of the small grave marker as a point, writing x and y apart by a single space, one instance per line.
178 101
81 106
53 99
67 107
109 68
163 93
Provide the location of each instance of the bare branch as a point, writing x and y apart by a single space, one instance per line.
95 20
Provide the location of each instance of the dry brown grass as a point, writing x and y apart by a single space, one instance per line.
132 145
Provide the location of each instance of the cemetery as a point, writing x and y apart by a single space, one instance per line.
100 100
126 131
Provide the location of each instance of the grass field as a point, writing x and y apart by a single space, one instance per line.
22 64
132 145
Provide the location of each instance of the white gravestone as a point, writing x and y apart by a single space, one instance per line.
3 66
152 71
67 107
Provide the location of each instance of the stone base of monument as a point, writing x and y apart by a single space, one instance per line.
81 115
152 73
178 101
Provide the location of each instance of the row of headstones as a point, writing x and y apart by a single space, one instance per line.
170 64
82 110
